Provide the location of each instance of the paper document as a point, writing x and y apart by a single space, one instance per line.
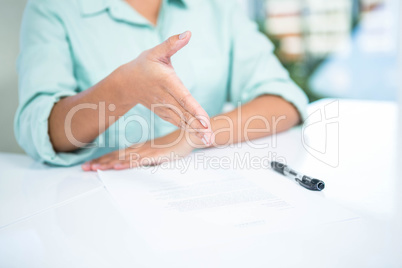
203 206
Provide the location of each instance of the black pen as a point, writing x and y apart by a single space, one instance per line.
305 181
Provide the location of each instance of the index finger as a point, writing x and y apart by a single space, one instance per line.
183 96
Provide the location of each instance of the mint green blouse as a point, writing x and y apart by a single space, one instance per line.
68 46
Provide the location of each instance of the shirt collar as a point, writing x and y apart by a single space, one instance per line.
93 7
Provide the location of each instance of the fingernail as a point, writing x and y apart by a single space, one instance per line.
209 138
204 141
183 35
86 167
97 166
212 138
204 123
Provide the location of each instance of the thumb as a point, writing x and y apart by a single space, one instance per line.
170 47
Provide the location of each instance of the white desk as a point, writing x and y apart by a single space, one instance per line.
63 217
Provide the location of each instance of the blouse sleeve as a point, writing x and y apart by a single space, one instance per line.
46 75
255 70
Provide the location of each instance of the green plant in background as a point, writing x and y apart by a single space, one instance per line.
300 71
312 25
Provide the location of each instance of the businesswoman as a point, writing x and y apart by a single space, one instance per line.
100 81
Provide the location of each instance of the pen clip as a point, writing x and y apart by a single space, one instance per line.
307 186
311 184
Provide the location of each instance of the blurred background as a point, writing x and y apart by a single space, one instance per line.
338 48
332 49
10 21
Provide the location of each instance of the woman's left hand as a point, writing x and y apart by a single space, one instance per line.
167 148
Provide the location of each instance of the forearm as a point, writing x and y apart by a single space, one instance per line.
267 114
263 116
149 80
78 119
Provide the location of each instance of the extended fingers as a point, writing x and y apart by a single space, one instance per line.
112 161
96 164
184 98
175 114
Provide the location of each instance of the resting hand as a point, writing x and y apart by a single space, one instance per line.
150 153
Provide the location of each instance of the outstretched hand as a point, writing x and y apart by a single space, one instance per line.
153 82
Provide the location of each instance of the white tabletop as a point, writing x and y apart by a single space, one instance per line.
63 217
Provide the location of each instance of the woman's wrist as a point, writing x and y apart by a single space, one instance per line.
192 141
123 90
